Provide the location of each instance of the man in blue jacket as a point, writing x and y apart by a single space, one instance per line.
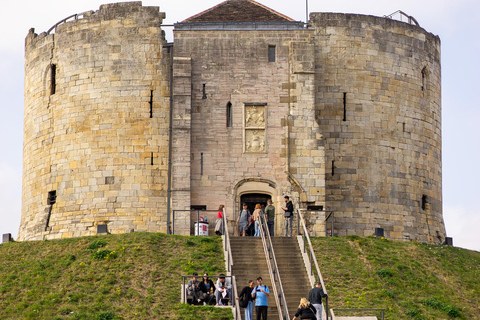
261 294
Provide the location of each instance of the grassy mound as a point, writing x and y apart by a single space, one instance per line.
130 276
409 280
138 276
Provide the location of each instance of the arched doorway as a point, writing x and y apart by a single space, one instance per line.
251 199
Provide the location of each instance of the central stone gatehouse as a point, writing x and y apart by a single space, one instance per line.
343 114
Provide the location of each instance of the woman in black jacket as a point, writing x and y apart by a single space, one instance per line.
246 295
305 310
208 288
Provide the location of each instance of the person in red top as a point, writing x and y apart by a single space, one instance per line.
219 230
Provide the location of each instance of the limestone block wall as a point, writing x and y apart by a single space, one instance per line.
270 106
96 125
378 105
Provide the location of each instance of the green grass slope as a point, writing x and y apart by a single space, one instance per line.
130 276
409 280
138 276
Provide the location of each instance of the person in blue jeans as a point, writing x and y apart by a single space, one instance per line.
260 294
247 291
256 218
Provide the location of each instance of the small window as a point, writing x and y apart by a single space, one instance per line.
199 207
109 180
424 202
229 115
52 197
53 80
271 53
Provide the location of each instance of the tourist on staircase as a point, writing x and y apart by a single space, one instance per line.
246 300
243 220
305 310
315 297
260 294
256 218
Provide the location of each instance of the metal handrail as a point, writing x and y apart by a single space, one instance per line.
274 274
229 264
401 13
312 257
76 16
354 310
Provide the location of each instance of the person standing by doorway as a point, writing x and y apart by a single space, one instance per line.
270 214
260 294
243 220
288 216
256 219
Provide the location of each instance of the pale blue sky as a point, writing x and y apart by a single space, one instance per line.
456 22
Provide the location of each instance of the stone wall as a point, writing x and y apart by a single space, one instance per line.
378 105
270 146
100 139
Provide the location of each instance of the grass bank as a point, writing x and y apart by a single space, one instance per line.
409 280
130 276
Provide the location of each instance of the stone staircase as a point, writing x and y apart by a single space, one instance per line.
249 263
293 273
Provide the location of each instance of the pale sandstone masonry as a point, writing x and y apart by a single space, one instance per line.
346 117
383 160
93 140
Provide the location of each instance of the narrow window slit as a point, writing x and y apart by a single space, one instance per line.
151 103
201 164
271 53
424 202
333 167
229 115
51 199
204 92
53 80
344 106
151 159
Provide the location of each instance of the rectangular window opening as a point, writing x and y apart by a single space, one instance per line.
204 96
271 53
52 197
344 106
424 202
333 167
201 164
151 103
109 180
151 159
229 115
53 80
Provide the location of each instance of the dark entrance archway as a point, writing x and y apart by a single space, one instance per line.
251 199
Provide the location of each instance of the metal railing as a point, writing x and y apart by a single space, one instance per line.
211 213
357 310
229 263
273 270
314 272
75 16
411 20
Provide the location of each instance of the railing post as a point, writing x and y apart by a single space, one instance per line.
298 223
326 307
198 222
184 291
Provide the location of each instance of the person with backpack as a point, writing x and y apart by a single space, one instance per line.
260 294
243 220
246 300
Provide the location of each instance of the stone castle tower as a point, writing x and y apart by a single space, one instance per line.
246 104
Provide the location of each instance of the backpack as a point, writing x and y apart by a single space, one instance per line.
243 302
